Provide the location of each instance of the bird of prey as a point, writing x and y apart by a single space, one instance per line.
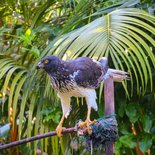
79 78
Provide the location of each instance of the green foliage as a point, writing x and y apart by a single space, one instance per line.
51 114
128 141
120 41
147 122
133 112
145 143
141 126
31 29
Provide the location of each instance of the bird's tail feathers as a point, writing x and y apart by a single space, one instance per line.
118 75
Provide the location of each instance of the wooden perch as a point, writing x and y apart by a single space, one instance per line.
109 108
27 140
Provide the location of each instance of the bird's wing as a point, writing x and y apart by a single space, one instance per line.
86 72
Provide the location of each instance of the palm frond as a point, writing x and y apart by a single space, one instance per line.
121 35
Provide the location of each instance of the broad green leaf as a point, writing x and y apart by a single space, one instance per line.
145 143
124 129
128 141
35 52
118 146
147 123
132 113
121 109
28 32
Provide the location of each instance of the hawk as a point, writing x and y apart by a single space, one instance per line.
79 78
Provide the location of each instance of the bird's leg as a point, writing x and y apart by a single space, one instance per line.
59 127
88 122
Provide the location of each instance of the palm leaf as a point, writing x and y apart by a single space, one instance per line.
41 11
21 113
16 94
121 35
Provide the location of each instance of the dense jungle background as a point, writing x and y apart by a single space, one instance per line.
122 30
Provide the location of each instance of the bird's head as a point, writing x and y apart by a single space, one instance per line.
49 63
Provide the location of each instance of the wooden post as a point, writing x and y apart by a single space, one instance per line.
109 108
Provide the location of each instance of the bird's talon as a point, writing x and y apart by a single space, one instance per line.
87 123
89 130
59 130
82 124
93 122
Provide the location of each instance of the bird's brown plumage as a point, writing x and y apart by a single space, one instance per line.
79 77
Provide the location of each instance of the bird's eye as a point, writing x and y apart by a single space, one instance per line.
46 61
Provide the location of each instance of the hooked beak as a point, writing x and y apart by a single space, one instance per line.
40 65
